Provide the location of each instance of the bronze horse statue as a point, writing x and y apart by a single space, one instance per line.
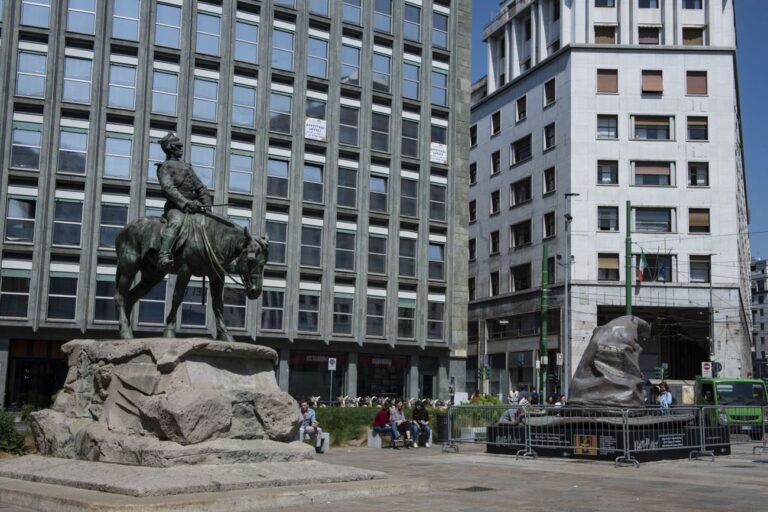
208 246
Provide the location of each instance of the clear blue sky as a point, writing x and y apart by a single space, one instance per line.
751 17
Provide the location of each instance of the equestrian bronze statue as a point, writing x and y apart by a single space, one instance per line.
187 241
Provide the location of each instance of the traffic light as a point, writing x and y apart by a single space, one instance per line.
659 373
488 372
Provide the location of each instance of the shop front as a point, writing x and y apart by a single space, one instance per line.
381 375
309 375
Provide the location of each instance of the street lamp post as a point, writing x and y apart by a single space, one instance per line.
566 348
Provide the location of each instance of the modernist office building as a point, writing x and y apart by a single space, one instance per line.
338 128
759 319
589 104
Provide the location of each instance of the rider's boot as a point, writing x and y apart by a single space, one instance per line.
165 256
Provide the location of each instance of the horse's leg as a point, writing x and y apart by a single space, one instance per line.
217 298
148 281
124 278
182 279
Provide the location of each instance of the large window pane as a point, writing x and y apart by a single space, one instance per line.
282 49
122 86
412 22
350 65
118 154
73 148
125 19
25 148
317 57
280 109
168 25
35 13
246 42
208 34
205 99
20 219
277 178
202 158
67 222
77 80
165 87
240 171
30 75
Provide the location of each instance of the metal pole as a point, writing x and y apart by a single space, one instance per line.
567 318
331 390
628 261
544 312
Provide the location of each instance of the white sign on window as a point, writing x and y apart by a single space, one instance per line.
438 153
314 129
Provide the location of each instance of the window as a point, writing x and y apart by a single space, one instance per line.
658 267
278 236
494 283
25 146
495 242
246 42
698 220
701 269
472 211
30 75
374 316
315 126
272 308
607 127
439 30
548 222
520 192
648 4
436 257
549 180
439 88
607 267
122 86
605 34
653 173
607 172
277 178
438 144
67 222
317 57
608 81
104 303
407 259
235 306
525 65
473 135
208 33
192 308
495 162
282 49
692 4
495 202
435 320
693 36
382 15
381 71
473 173
73 148
411 73
521 234
168 25
203 157
553 47
380 132
521 150
378 194
549 136
280 111
77 80
114 217
156 156
522 108
653 82
14 292
652 127
349 123
343 306
347 187
698 174
313 183
311 245
607 218
125 19
205 99
345 249
605 3
472 249
698 128
285 3
243 105
35 13
410 138
62 296
653 220
437 202
165 87
350 65
406 316
696 83
20 219
412 22
520 277
309 310
496 122
409 197
648 35
377 254
549 92
118 153
527 28
240 171
352 11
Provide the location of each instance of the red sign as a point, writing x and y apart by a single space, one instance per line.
317 358
380 361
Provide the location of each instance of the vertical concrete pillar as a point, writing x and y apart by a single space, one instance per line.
283 370
351 381
457 371
5 347
442 377
413 390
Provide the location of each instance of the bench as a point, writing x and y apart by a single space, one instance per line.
375 439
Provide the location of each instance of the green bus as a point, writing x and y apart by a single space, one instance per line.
741 404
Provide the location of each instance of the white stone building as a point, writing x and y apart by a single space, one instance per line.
589 104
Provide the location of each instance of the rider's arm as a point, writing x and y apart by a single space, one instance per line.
169 187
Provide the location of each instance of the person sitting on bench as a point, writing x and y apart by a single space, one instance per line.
382 424
310 426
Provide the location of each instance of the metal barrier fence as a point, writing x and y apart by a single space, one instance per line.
622 435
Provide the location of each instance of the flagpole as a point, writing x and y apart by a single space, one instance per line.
628 261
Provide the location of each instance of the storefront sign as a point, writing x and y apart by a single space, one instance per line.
368 360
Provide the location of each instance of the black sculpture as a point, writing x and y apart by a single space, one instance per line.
188 241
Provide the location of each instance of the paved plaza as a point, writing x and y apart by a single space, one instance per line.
473 480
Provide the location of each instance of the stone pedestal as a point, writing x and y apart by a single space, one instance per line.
164 402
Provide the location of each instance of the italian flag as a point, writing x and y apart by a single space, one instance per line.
641 267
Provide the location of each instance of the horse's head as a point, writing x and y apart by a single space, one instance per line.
251 264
